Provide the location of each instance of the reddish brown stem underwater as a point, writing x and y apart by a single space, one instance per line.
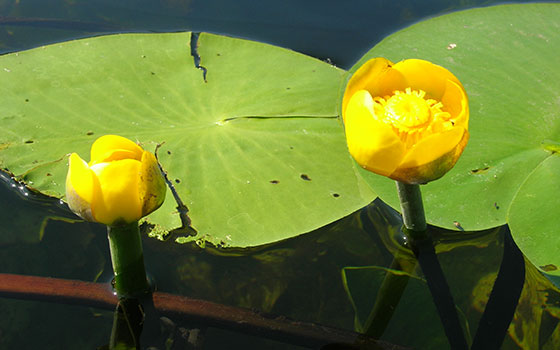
180 308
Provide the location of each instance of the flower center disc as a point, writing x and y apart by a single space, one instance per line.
408 110
411 115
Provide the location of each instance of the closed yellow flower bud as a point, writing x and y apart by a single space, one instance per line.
120 184
407 121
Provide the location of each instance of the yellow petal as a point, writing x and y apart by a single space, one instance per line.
455 102
432 170
376 76
120 199
387 83
432 148
152 184
372 143
81 186
426 76
113 147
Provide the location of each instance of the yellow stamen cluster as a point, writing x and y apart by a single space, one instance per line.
411 115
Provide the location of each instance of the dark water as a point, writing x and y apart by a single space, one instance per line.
341 31
298 278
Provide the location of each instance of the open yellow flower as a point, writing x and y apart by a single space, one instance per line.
407 121
121 183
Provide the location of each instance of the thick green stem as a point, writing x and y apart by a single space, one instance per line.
412 210
393 285
415 227
128 261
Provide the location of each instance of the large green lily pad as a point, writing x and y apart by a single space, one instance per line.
507 58
255 152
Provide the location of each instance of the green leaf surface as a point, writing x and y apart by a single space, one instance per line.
534 216
507 58
255 152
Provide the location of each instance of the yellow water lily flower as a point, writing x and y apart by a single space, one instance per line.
407 121
120 184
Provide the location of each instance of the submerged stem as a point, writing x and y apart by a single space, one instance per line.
388 297
415 227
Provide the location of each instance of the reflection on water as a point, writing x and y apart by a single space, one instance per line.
299 278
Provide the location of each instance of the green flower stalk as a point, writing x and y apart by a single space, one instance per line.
127 258
416 229
412 210
393 285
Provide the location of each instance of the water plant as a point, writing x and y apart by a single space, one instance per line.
228 145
